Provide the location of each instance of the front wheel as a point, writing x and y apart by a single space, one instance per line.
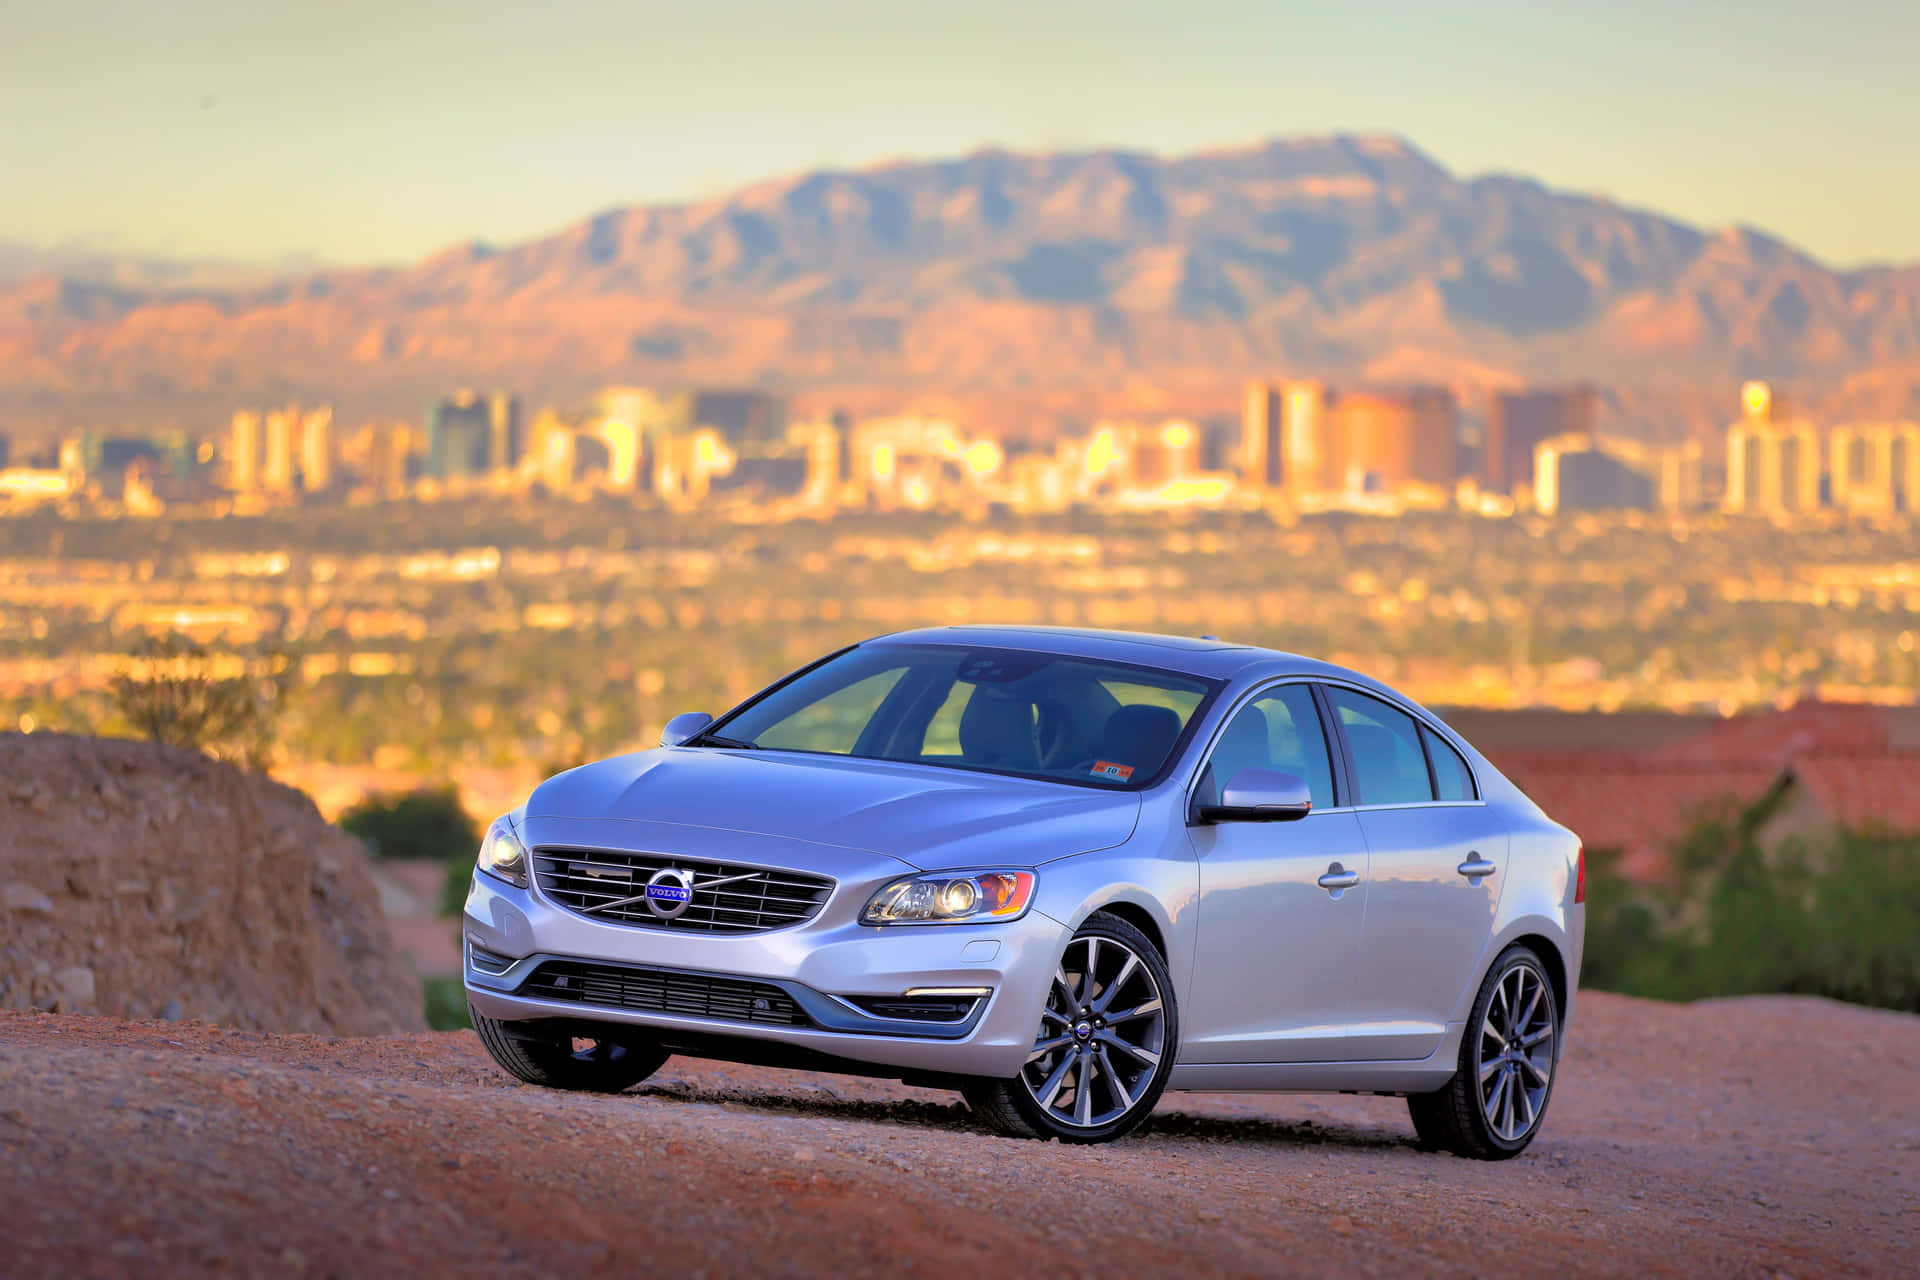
565 1062
1104 1048
1493 1106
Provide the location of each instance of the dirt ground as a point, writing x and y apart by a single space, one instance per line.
1756 1137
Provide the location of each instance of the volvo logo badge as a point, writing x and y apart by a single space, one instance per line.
669 891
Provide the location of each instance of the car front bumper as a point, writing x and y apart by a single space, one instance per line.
817 964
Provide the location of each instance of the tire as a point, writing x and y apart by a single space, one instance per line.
1494 1104
602 1066
1118 1066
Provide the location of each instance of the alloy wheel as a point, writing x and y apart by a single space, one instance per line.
1515 1053
1102 1035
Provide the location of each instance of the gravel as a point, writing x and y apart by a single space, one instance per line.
1738 1138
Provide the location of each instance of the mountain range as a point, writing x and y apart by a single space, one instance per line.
1022 284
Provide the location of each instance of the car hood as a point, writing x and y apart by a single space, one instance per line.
929 817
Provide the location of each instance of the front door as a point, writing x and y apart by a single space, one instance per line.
1281 903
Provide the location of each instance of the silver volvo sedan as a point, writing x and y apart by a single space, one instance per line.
1060 871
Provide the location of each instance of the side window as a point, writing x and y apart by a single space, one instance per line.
1387 760
1450 777
1280 730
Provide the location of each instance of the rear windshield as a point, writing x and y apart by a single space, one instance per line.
1034 715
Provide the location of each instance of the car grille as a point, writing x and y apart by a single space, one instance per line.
693 995
753 900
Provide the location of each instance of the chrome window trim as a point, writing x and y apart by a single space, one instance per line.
1337 750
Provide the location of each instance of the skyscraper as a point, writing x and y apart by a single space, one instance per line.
316 450
1875 467
1260 444
1310 463
1580 473
506 444
1518 421
742 417
459 436
1773 466
243 453
1389 439
276 470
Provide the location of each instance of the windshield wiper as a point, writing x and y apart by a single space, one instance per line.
717 740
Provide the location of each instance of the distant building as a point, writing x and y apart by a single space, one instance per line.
6 452
1875 468
743 416
553 452
276 468
1773 466
1261 455
506 442
1387 440
316 450
243 453
1680 480
1517 423
1580 473
1285 439
459 436
1166 453
825 452
390 464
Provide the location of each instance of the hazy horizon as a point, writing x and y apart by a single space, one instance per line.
358 134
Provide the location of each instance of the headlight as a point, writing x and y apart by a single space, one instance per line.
502 854
952 897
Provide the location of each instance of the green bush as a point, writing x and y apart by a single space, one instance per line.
1839 918
429 823
447 1004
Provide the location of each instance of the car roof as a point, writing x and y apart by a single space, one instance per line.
1196 655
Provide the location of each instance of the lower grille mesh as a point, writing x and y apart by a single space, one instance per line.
692 995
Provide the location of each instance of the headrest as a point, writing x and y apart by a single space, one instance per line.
998 730
1141 736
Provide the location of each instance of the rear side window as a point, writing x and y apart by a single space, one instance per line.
1388 762
1451 781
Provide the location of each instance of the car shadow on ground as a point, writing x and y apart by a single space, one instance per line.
1169 1127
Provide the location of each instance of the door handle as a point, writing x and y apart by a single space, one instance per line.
1475 867
1338 878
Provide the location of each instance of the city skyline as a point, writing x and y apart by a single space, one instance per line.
389 133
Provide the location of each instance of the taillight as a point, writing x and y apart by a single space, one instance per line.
1580 876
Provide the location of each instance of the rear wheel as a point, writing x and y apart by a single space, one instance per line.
1104 1047
1493 1106
528 1053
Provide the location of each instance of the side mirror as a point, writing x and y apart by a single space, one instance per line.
687 724
1260 795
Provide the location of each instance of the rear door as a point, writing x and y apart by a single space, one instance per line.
1436 857
1277 950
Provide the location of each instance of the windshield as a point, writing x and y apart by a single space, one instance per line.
1039 715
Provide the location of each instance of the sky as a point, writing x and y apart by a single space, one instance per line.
355 132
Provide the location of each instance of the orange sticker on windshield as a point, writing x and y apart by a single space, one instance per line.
1108 769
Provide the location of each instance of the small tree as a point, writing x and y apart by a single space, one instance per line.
429 823
227 705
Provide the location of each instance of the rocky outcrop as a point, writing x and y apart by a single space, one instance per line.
149 881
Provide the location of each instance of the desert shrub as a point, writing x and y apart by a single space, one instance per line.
447 1004
428 823
228 705
1839 918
